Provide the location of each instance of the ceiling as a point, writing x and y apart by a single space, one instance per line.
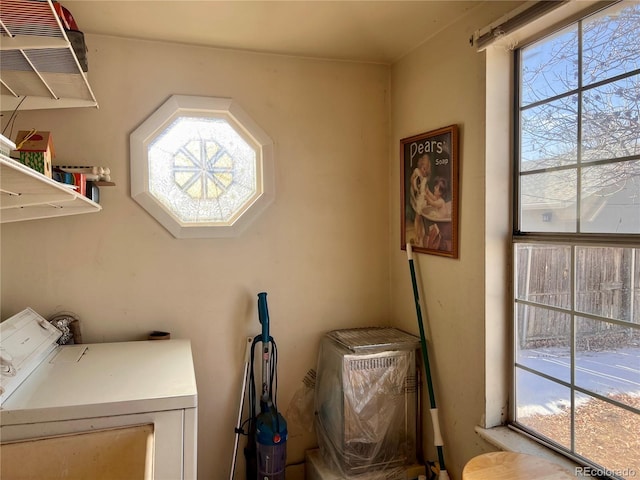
368 31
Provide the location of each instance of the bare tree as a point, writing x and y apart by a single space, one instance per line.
580 116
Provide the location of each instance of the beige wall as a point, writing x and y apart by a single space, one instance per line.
439 84
318 250
327 250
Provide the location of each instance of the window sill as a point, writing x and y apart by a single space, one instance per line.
507 439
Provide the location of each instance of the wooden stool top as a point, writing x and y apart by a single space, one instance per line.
512 466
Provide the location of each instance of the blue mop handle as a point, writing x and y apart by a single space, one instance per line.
263 316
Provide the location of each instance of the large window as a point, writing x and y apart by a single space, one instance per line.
577 240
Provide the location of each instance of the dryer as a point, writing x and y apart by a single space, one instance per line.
50 391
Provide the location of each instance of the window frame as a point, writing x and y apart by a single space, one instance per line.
210 107
574 240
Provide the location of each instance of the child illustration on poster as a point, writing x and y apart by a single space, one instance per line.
430 192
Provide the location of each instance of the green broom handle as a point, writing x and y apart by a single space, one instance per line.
427 369
423 342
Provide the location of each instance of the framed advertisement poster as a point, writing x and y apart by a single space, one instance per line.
429 192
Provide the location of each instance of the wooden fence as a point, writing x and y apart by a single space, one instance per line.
607 284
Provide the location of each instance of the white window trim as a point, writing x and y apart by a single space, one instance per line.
508 439
498 229
181 105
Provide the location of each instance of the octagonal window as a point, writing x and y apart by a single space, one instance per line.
201 167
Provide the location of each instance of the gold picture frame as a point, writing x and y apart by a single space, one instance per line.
429 192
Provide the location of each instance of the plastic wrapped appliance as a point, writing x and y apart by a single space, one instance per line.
366 399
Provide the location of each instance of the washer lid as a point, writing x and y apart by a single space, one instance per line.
25 341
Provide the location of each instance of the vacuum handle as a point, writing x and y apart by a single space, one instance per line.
263 316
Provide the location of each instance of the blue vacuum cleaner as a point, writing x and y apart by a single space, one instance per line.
268 428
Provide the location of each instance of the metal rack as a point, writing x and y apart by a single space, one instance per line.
38 66
28 195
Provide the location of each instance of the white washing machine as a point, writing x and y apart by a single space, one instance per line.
51 392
